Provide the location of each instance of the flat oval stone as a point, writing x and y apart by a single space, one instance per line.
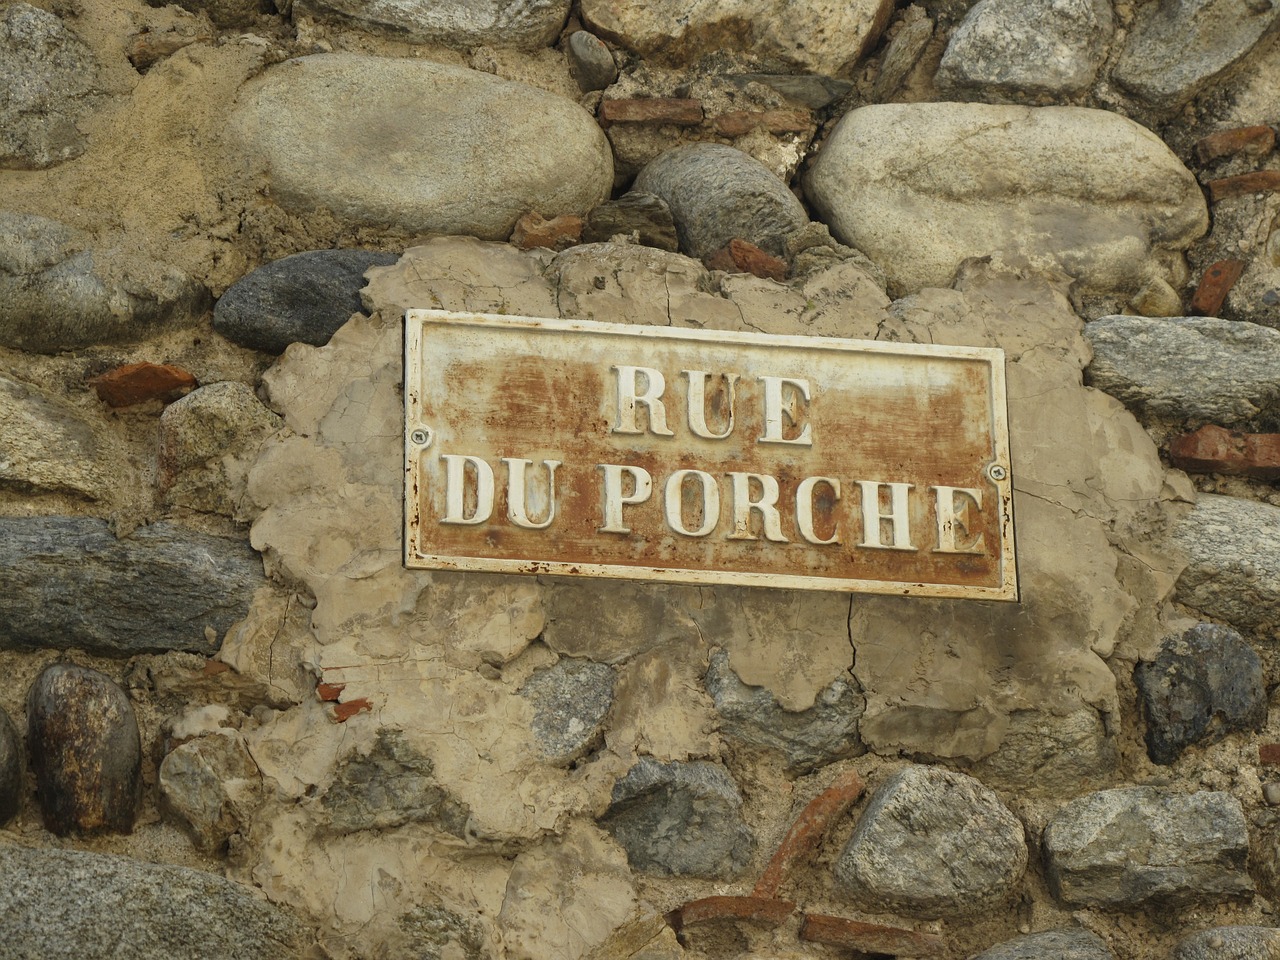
921 187
82 736
418 146
10 770
717 193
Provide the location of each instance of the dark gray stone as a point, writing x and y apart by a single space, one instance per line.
1176 47
1051 945
70 583
1189 370
1138 845
82 738
1230 943
1233 561
810 90
58 292
304 298
1202 686
10 769
391 786
680 818
74 905
642 216
47 77
590 61
717 193
570 702
826 732
920 819
1027 50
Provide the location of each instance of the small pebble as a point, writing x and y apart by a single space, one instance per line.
1271 793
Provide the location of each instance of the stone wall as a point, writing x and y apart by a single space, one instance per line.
236 726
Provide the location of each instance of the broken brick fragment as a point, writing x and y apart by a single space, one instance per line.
329 691
741 122
1260 181
1213 449
764 910
739 256
660 110
1269 754
808 830
1214 286
869 937
1255 141
342 712
139 382
533 230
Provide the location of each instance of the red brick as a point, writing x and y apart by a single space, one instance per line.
1213 449
753 260
342 712
660 110
763 910
329 691
869 937
1260 181
533 230
139 382
1214 286
808 830
214 667
741 122
1269 754
1254 141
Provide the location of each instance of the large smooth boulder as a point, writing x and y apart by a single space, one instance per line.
418 146
812 36
921 187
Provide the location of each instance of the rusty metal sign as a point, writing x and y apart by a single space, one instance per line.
577 448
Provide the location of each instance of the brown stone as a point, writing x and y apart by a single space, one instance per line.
1269 754
1260 181
149 47
1253 141
869 937
751 259
1213 449
82 738
140 382
533 230
741 122
764 910
807 832
1214 286
668 110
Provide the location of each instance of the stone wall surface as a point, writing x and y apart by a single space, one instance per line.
237 725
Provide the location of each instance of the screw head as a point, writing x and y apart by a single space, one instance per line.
997 472
421 437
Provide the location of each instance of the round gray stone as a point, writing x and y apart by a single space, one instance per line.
73 905
826 732
1051 945
57 292
933 843
570 702
717 193
1137 845
70 583
680 818
590 61
47 76
85 751
1202 686
1230 943
10 769
418 146
303 298
1189 370
526 24
1027 50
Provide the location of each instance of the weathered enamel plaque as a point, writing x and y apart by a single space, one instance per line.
577 448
